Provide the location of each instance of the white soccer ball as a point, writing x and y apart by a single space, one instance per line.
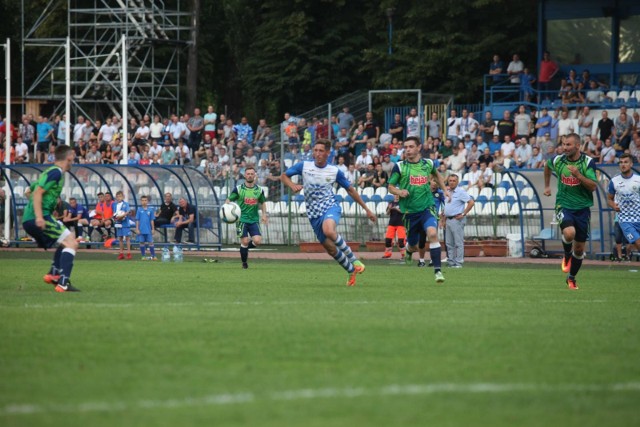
230 213
120 215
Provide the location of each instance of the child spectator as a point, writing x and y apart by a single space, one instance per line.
145 229
395 229
122 226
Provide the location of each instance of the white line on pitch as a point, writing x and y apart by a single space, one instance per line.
320 393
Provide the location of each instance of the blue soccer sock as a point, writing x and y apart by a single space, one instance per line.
345 249
55 265
344 261
143 249
436 256
66 262
152 250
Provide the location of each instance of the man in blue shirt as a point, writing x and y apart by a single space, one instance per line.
456 209
543 125
45 131
77 217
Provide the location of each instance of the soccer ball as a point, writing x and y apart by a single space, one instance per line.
120 215
230 213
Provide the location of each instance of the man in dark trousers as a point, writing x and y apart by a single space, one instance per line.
166 211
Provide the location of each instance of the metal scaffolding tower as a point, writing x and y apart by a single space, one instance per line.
156 33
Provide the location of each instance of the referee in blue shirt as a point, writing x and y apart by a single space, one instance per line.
456 208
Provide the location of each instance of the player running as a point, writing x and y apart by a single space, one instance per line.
249 195
624 198
323 212
410 179
394 229
577 181
438 200
145 228
39 224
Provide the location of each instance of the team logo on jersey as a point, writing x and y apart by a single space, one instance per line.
570 180
418 180
250 201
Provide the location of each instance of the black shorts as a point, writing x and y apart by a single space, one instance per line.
43 146
579 219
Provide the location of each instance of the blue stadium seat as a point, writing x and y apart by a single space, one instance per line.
348 199
388 198
284 198
618 103
376 198
520 185
481 199
632 103
338 198
509 199
298 198
364 198
504 184
546 103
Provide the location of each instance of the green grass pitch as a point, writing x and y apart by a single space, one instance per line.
288 344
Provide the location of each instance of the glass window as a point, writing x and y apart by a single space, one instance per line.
630 39
580 41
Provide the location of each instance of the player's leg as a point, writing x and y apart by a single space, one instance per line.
177 236
388 241
107 227
256 235
422 248
413 226
449 241
456 236
401 235
148 238
67 259
128 239
581 220
46 239
566 219
631 232
243 234
330 230
431 225
141 238
618 238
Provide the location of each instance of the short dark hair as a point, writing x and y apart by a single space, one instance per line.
249 168
414 139
62 151
627 156
100 194
325 142
72 199
144 197
575 136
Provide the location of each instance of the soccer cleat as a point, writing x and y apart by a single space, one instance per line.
358 266
152 258
121 256
51 279
421 264
566 265
66 288
109 243
245 265
407 257
387 254
439 277
128 256
572 284
402 253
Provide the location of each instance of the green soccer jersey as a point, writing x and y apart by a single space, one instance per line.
248 199
414 177
571 193
52 181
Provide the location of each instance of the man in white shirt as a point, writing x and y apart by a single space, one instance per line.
105 135
413 124
523 123
522 153
363 160
155 149
473 126
473 175
155 129
486 176
508 147
565 125
515 68
466 123
78 130
22 152
142 133
177 130
453 127
456 161
585 122
223 157
182 153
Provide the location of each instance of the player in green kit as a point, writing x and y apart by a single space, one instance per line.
577 181
411 180
248 196
39 224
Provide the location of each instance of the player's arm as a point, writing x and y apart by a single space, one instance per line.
589 179
547 177
263 207
292 171
440 181
393 181
343 182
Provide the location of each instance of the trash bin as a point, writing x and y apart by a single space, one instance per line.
515 245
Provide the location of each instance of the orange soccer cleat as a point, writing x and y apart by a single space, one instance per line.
121 256
51 279
566 265
358 268
572 284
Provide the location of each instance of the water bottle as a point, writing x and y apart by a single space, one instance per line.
166 256
177 253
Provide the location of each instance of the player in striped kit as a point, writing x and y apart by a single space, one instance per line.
324 214
624 198
577 181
